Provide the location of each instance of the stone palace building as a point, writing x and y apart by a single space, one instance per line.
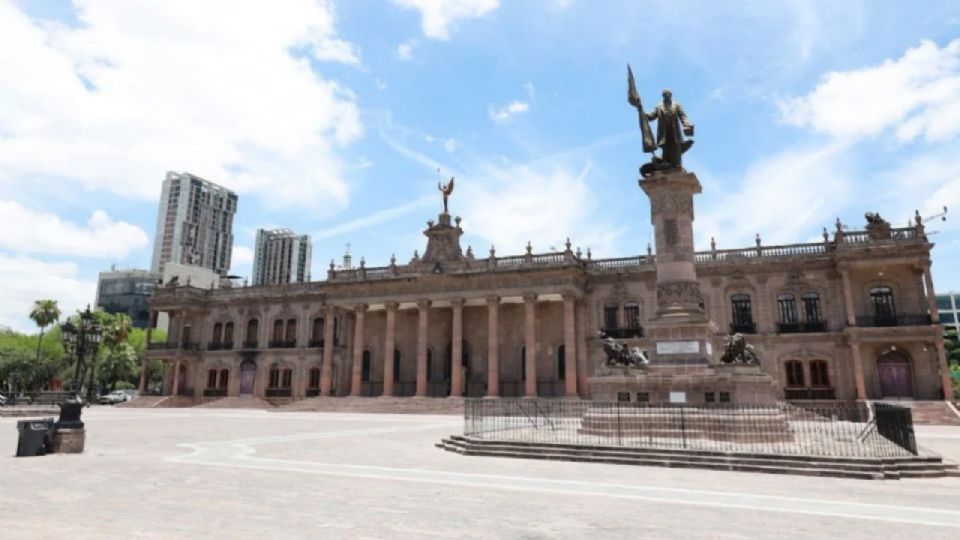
851 317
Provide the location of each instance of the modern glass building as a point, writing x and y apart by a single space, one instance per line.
948 305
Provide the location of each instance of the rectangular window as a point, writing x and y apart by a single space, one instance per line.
212 378
610 316
819 375
287 380
787 308
943 302
794 371
947 318
631 315
274 378
811 307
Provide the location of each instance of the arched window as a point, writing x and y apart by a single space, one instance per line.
212 378
286 378
365 367
224 378
277 331
742 314
253 328
316 335
396 365
274 380
884 310
217 333
794 370
610 318
811 307
290 336
819 374
787 308
562 362
228 334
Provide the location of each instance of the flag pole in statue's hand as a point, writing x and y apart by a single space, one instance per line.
634 99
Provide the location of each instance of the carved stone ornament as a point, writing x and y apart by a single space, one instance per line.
674 203
679 292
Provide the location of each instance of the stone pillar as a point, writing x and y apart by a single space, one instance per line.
583 365
176 379
423 308
389 345
858 371
456 349
569 345
848 307
493 346
326 370
944 370
530 343
355 382
142 388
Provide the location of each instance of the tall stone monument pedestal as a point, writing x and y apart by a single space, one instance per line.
684 366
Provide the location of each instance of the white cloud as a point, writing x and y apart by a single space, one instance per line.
437 17
448 143
503 115
35 280
540 202
405 50
376 218
241 255
29 231
784 198
919 93
139 88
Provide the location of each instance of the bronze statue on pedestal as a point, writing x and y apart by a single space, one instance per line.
670 137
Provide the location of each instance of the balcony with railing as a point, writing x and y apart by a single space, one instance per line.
809 393
282 344
278 392
895 319
249 345
744 327
806 327
635 332
214 392
162 346
312 392
315 343
221 346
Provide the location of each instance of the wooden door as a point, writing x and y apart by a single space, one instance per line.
893 370
248 375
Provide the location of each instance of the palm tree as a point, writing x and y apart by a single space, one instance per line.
44 313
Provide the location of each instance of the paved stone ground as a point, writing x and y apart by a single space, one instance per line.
253 474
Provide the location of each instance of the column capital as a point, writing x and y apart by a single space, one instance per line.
391 306
456 302
492 300
570 295
529 297
423 304
360 308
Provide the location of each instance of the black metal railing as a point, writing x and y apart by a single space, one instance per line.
190 346
801 327
896 424
829 429
222 346
898 319
624 333
214 392
809 393
278 392
251 345
315 343
312 392
282 344
748 327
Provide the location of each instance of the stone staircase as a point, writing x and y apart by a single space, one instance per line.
940 413
143 402
241 402
396 405
923 466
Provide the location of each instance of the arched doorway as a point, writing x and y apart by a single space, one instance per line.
893 370
248 374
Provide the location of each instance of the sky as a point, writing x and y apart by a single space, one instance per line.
332 118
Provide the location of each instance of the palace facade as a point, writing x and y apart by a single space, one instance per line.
851 317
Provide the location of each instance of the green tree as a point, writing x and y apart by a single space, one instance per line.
44 313
951 343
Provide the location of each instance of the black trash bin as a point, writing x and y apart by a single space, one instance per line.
36 437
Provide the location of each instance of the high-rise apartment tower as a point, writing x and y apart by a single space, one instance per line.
281 256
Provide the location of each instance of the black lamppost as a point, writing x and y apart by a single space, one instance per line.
81 339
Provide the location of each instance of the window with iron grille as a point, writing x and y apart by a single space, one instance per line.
882 299
794 369
278 330
787 308
228 333
274 377
610 316
631 315
252 330
224 378
217 333
291 334
819 374
286 378
742 311
811 307
212 378
317 334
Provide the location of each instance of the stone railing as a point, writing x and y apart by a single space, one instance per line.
618 264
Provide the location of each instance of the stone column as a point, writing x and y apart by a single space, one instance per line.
570 345
423 307
944 371
456 349
849 308
530 343
583 365
358 315
493 346
176 379
858 371
326 370
389 344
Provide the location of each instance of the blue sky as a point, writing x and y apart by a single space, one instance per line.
331 118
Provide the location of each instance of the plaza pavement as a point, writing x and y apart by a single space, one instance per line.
208 473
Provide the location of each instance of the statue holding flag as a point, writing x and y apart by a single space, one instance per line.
670 138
